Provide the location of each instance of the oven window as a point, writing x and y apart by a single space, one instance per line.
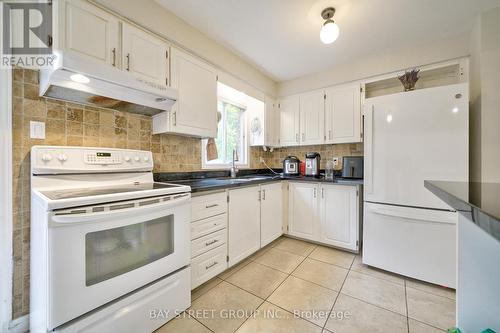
113 252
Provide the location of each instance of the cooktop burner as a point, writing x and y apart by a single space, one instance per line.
94 191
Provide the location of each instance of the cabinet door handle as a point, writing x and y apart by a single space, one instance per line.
330 134
174 115
211 206
263 194
128 61
322 192
259 195
114 55
297 137
303 137
211 265
315 192
211 242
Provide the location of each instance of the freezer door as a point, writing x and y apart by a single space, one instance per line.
415 136
419 243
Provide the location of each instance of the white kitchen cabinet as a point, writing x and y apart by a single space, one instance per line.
145 55
271 213
289 120
271 123
86 30
339 208
303 202
195 112
343 114
243 223
325 213
312 121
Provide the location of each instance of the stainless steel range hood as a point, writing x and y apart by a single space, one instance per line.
79 80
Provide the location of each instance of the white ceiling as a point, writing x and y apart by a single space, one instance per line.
281 37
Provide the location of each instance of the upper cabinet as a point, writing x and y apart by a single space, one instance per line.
87 30
312 121
271 123
289 121
145 55
343 114
325 116
195 112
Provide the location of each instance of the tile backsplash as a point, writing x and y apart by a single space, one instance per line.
77 125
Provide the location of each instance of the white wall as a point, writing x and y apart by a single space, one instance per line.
485 99
156 18
383 62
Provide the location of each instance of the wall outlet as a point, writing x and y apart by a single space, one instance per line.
336 161
37 130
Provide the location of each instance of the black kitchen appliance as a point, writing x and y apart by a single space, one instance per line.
352 167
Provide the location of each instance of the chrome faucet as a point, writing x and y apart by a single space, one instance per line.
234 170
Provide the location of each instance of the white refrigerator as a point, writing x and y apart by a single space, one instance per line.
411 137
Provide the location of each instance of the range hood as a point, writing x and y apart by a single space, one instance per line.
79 80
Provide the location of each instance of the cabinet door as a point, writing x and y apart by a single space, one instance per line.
195 112
88 31
244 223
145 55
312 121
303 210
271 213
271 123
343 114
339 216
289 121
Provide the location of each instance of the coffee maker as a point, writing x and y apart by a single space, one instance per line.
312 164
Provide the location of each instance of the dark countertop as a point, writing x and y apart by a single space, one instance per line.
479 202
218 180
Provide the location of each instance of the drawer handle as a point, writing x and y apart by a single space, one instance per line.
211 206
211 265
211 242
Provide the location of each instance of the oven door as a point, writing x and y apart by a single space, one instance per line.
101 252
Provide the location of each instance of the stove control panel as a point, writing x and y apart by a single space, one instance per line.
57 160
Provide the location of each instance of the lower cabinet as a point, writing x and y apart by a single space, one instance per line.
243 223
339 218
325 213
208 237
303 210
271 213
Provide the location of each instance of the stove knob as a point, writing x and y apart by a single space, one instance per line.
137 159
127 158
46 157
146 158
62 157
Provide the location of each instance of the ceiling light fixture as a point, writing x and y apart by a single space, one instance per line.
330 30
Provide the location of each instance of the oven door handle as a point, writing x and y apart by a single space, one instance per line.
93 217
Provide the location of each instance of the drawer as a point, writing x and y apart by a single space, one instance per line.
208 265
207 226
208 205
208 242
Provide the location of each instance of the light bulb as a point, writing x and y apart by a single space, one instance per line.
329 32
79 78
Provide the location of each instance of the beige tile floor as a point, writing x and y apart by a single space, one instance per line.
296 286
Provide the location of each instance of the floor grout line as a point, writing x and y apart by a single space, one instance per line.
407 313
338 295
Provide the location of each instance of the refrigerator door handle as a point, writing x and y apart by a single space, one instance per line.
368 132
425 215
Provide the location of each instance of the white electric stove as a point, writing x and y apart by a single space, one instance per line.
108 244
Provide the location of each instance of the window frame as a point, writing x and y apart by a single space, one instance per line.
205 165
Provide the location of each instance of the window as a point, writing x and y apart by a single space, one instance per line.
231 130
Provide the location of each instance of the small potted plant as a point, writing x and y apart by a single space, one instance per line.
409 79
